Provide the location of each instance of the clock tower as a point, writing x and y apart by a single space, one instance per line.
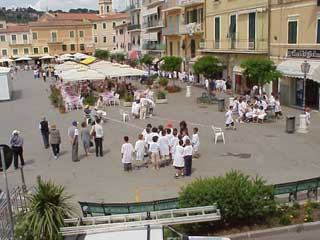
105 7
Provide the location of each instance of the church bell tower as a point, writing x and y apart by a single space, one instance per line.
105 7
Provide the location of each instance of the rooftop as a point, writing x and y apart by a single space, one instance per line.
12 28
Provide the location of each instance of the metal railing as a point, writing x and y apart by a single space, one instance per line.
154 46
151 2
186 3
260 45
152 24
134 26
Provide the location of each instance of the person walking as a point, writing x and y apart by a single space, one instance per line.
73 134
97 133
85 137
16 142
55 141
187 154
44 129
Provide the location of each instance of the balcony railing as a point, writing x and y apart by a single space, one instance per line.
153 24
134 27
23 42
187 3
190 29
154 46
133 6
150 3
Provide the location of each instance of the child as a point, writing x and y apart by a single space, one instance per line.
174 142
308 115
187 155
277 108
261 114
154 150
229 119
140 149
195 142
185 137
126 153
178 160
164 147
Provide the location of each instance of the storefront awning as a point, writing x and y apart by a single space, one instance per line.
292 68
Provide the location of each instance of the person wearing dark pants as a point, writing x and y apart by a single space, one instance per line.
16 143
187 153
97 133
73 134
44 129
55 141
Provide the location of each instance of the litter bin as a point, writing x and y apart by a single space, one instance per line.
221 107
290 124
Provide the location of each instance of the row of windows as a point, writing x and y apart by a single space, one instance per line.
13 37
26 51
72 47
104 39
104 25
293 31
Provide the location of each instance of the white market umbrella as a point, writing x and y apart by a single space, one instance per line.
47 57
80 56
69 65
81 74
2 60
23 59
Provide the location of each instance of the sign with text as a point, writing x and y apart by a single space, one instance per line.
303 53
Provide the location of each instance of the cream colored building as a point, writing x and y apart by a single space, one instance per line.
294 38
236 30
14 40
184 29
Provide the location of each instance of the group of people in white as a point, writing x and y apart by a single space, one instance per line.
252 110
163 146
143 104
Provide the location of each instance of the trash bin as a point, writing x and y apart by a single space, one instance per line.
221 107
290 124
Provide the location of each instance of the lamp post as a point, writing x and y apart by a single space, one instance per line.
305 68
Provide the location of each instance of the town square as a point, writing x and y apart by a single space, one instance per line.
132 112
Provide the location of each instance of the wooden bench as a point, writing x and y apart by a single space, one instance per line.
293 188
100 209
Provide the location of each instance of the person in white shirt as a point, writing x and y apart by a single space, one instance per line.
272 101
241 109
229 119
164 147
139 149
126 154
174 142
195 142
187 155
249 113
185 137
235 104
135 110
178 159
261 114
308 115
277 108
154 150
206 82
264 103
97 133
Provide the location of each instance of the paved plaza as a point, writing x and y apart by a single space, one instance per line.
264 149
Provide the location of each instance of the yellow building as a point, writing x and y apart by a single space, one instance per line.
14 40
294 38
236 30
184 29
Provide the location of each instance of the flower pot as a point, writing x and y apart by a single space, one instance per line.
127 104
161 101
62 109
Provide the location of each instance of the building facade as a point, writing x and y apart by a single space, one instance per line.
294 38
184 29
236 30
152 25
123 38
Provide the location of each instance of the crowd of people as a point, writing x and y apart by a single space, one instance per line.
162 146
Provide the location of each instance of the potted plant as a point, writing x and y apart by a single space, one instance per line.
163 82
127 100
161 97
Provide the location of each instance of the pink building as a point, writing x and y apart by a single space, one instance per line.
123 38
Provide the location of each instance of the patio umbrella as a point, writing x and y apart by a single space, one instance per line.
80 56
81 74
2 60
69 65
23 59
47 57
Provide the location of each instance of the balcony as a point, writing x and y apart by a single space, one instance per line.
133 27
151 3
189 3
151 46
172 5
55 41
154 24
133 7
24 42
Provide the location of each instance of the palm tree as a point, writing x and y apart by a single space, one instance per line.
49 206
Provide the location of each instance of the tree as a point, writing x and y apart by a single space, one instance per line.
118 57
147 60
260 71
49 206
171 64
209 66
102 54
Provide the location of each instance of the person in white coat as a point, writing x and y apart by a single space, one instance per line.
229 119
178 160
139 150
174 141
195 142
164 147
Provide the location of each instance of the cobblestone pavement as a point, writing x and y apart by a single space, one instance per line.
264 149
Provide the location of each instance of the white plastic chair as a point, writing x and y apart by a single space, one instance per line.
124 115
218 133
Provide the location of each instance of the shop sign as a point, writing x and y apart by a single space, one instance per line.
303 53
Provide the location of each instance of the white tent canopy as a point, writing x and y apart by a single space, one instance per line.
23 59
2 60
80 56
81 74
69 65
292 68
47 57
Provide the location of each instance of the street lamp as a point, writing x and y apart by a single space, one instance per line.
305 68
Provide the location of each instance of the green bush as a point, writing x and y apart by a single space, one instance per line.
89 100
313 204
161 95
55 97
102 54
128 98
163 81
240 198
285 220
